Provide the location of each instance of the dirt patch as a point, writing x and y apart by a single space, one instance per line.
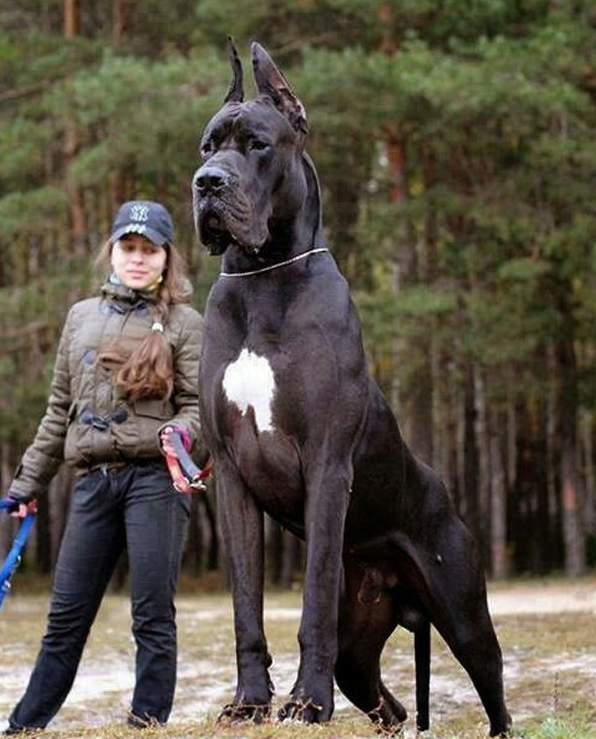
543 598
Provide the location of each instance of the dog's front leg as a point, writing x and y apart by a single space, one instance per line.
242 530
326 506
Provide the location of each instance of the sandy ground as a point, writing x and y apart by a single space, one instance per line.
206 670
550 598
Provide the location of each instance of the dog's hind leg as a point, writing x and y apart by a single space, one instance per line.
474 644
364 627
456 602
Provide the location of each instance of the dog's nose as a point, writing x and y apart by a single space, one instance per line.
210 180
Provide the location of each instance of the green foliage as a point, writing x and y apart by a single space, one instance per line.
22 142
556 728
135 108
30 212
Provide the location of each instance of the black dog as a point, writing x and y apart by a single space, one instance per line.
300 430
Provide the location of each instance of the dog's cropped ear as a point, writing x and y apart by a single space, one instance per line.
235 92
272 84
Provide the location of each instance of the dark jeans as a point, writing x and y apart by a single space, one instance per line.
134 507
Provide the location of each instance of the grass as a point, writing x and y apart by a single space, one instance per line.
550 669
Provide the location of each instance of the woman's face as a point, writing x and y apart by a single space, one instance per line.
138 262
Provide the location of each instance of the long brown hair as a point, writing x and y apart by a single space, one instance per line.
148 372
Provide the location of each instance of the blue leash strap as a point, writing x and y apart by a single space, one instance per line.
14 555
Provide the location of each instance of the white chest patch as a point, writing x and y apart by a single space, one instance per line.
249 381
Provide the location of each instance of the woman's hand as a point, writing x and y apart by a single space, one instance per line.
20 507
178 478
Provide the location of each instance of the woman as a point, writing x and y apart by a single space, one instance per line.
126 374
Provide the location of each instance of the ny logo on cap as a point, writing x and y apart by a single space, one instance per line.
139 212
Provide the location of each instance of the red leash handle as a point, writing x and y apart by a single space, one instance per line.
184 472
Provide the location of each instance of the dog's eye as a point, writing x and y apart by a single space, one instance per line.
206 149
258 145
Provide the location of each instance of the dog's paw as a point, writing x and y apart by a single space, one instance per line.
235 713
304 710
505 729
388 717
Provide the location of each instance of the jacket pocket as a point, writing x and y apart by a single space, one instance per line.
139 434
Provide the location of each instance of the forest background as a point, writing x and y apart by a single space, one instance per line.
455 143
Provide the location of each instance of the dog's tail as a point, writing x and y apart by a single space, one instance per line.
422 661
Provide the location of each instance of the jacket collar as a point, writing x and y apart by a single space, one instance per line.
116 291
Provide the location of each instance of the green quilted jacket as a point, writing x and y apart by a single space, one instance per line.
87 422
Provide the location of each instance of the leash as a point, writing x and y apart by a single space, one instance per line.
13 557
274 266
183 469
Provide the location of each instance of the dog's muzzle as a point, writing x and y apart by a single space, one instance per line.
209 184
223 211
211 180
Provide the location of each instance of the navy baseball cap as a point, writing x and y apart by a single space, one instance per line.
144 217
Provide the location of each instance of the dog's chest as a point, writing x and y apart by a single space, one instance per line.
249 383
258 435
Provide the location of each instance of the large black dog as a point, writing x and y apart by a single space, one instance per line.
299 429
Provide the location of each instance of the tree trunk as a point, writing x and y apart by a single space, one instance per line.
193 550
273 550
552 466
575 553
385 15
43 554
58 496
405 259
72 18
211 526
78 221
291 560
456 398
5 480
483 450
442 427
417 421
511 429
442 418
118 189
122 14
587 442
572 504
498 499
470 452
